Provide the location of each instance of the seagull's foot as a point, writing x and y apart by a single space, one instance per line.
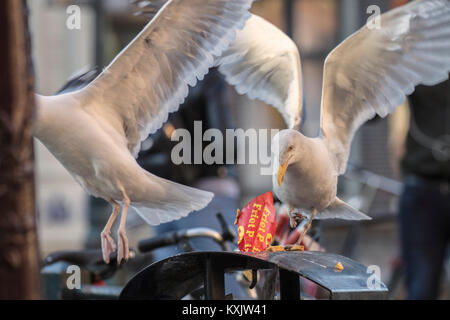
123 251
296 219
108 245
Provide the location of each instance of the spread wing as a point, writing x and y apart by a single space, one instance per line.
264 63
373 70
150 77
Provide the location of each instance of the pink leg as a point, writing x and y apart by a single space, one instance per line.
108 245
123 251
308 226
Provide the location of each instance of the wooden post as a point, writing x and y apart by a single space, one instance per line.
19 267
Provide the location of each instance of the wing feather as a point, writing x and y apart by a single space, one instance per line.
150 77
372 71
264 63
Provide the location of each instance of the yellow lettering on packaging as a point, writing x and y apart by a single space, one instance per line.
258 206
260 237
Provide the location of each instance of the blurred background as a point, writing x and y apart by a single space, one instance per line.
70 220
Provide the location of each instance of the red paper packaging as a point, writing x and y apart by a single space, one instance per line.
257 224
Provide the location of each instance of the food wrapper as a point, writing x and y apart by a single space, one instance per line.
256 224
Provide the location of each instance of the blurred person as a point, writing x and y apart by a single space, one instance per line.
424 207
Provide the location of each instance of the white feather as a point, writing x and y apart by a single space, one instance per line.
264 63
372 71
150 77
96 132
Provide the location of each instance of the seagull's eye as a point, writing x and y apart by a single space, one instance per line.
291 148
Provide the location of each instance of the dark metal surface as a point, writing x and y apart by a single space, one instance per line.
319 267
289 285
177 276
214 281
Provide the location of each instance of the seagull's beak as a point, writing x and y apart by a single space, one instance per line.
282 171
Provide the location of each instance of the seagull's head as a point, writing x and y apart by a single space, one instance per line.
286 149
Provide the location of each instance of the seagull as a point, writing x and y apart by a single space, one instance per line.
96 132
368 74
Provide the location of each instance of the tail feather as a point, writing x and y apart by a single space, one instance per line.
341 210
181 201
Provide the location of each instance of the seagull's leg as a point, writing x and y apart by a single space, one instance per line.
123 251
308 226
108 245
